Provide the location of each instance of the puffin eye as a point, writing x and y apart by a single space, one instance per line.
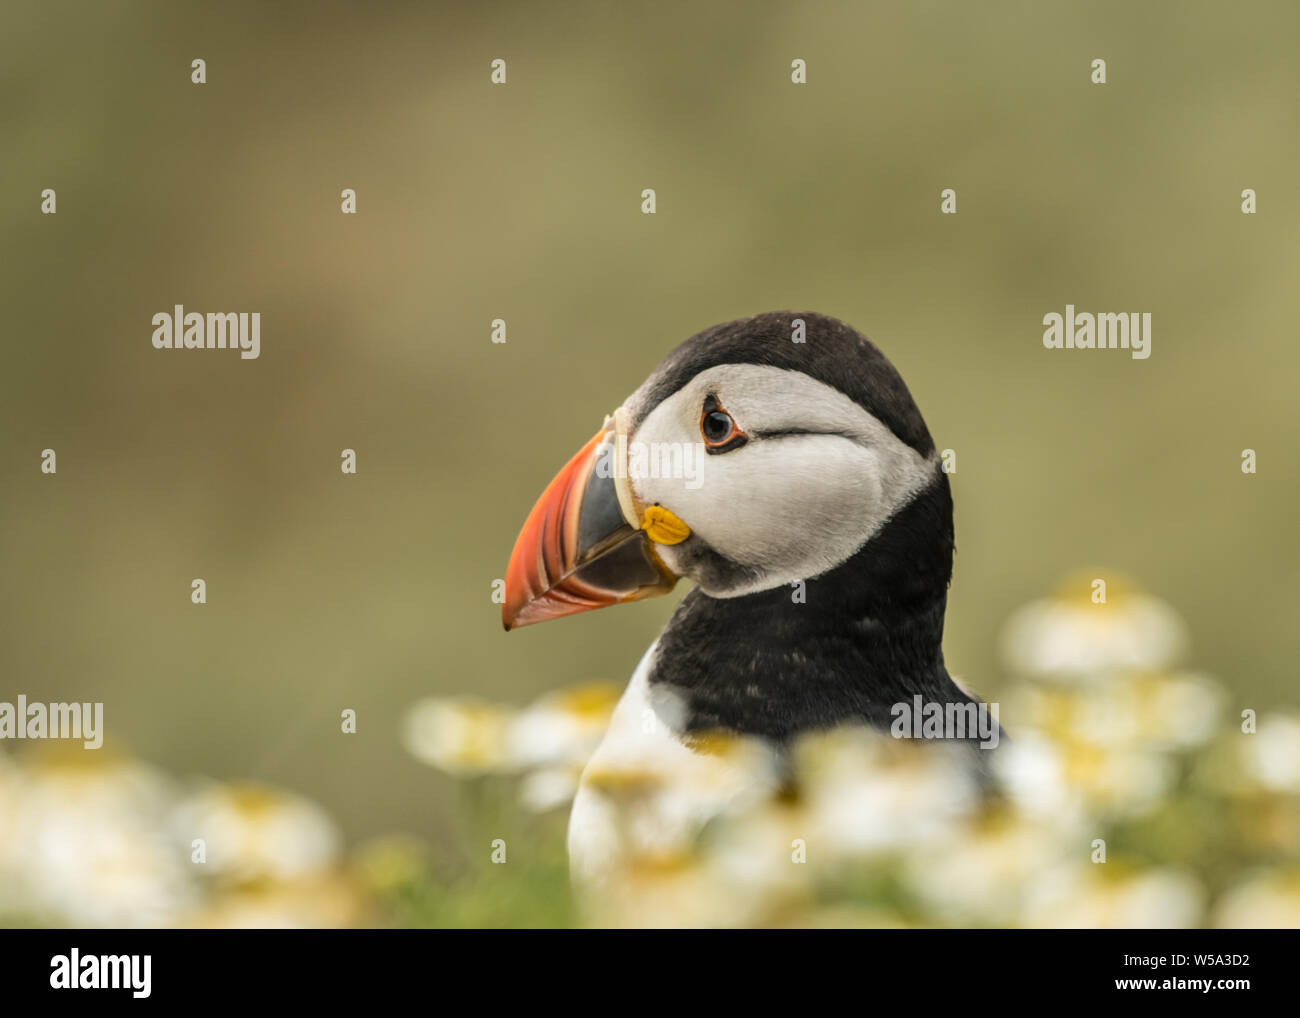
718 426
721 434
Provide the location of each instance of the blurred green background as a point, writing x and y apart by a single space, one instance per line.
522 202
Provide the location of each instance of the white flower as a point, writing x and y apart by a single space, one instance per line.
562 727
1089 895
1267 899
548 788
1262 764
867 792
1068 638
1139 711
1181 709
464 735
668 891
86 844
976 874
1271 756
321 901
656 803
252 832
762 853
1073 781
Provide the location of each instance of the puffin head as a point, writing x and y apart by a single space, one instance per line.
760 452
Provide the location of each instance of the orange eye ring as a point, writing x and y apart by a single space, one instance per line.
719 429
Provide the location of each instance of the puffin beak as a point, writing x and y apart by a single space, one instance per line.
578 549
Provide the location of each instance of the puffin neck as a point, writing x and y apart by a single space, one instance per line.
867 635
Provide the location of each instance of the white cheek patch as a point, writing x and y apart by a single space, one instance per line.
819 477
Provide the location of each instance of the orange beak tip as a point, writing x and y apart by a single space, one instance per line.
576 551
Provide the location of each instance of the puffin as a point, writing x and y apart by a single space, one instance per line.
780 464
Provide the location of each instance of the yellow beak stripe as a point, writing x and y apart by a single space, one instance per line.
663 527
